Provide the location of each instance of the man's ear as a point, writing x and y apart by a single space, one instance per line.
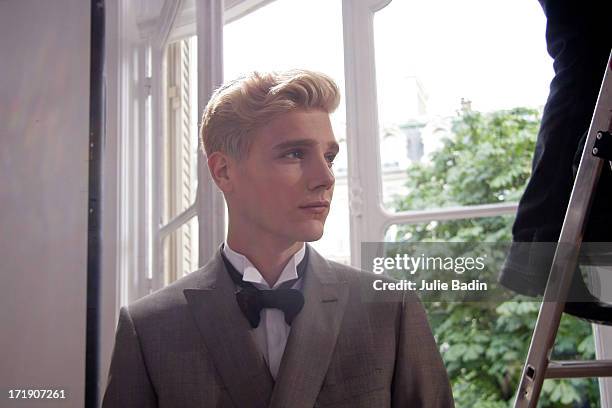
219 165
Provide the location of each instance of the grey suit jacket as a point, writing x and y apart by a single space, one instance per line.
188 345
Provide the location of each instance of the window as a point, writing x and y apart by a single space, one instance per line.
450 60
179 225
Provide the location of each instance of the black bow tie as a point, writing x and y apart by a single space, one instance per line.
252 300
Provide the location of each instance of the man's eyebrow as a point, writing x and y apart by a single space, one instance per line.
304 143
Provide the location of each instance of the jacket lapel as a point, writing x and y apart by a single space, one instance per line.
228 339
312 338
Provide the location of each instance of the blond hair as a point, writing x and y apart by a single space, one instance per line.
243 105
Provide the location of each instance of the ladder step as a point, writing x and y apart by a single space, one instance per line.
575 369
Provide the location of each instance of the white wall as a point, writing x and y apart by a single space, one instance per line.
44 124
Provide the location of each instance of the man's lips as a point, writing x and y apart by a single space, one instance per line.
316 207
316 204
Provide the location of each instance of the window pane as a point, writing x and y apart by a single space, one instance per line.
281 36
180 140
445 70
180 251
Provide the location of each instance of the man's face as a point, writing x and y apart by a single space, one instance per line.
284 187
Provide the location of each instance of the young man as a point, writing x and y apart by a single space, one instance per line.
269 322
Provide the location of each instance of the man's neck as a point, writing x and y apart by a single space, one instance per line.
270 258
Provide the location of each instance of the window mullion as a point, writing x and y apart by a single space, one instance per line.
169 247
367 218
157 40
210 204
139 284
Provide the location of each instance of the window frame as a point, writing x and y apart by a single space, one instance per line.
368 218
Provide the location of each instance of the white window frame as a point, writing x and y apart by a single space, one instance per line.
368 218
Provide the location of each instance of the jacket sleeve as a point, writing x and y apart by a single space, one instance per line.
128 384
420 378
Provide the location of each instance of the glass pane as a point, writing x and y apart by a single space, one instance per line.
180 251
450 77
280 36
180 140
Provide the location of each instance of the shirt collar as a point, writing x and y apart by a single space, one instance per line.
250 273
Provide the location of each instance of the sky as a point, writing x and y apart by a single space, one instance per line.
491 52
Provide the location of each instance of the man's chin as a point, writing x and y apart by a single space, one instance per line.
311 232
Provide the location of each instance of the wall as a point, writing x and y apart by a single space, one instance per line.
44 124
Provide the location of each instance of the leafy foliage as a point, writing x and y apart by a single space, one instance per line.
487 159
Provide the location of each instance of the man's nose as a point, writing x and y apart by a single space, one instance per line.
321 174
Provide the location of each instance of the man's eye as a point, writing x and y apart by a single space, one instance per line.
330 159
295 154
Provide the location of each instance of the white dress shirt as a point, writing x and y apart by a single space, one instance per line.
272 333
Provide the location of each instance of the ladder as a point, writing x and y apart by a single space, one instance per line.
538 367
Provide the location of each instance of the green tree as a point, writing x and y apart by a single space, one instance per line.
487 159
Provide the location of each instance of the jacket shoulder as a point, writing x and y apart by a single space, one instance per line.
170 299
